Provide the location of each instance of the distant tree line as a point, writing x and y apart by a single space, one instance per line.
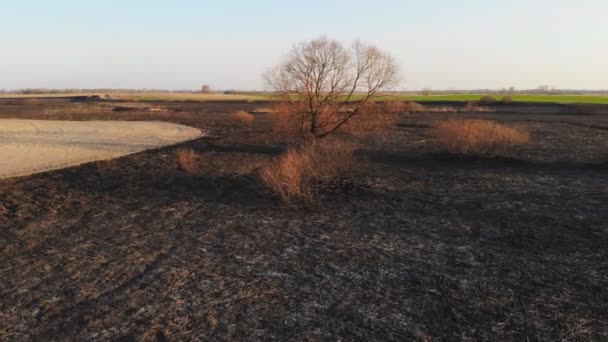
543 89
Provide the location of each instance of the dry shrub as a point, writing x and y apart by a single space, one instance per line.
243 117
278 107
487 99
157 109
372 120
395 107
398 107
285 122
441 109
414 107
300 175
473 107
188 161
479 137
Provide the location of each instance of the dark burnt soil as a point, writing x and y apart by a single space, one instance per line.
421 245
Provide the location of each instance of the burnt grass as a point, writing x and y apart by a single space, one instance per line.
419 246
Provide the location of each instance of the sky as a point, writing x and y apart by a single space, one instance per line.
182 44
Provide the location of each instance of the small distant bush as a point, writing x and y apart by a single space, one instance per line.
414 107
395 107
399 107
506 99
188 161
301 175
474 107
441 109
479 137
487 99
243 117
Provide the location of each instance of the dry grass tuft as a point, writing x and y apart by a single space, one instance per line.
487 99
414 107
278 107
398 107
373 120
300 175
243 117
442 109
479 137
286 124
474 107
188 161
395 107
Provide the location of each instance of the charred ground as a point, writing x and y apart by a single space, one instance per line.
421 245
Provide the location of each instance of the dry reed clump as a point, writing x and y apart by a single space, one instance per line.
479 137
286 123
441 109
278 107
487 99
373 120
188 161
301 175
474 107
414 107
243 117
396 107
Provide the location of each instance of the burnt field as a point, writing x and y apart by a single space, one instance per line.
419 245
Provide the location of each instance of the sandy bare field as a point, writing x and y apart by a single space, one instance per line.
31 146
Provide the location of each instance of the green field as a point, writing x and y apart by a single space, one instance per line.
587 99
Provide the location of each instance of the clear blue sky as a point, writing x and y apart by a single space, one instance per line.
181 44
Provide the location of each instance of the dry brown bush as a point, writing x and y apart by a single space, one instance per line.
286 124
487 99
243 117
395 107
188 161
373 120
299 175
474 107
414 107
479 137
441 109
398 107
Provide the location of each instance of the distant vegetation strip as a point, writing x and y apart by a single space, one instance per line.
564 99
199 97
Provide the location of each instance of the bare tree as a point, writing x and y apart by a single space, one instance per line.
327 84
